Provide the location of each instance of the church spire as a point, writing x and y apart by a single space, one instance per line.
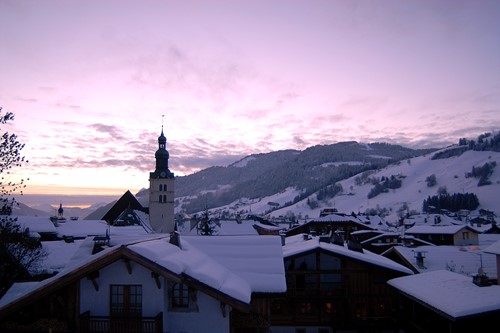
162 156
161 190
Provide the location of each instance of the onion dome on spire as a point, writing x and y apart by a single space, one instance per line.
162 156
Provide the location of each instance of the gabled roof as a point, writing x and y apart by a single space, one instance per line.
493 248
297 244
451 294
440 230
127 200
189 264
397 235
332 218
462 259
38 224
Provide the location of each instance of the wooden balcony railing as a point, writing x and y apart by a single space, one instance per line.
100 324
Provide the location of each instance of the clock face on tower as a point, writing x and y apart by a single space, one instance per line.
162 174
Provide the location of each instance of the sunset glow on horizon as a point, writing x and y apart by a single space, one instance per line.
91 82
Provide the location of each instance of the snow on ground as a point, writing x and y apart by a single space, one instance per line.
449 172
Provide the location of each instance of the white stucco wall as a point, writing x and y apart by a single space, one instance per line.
97 302
208 318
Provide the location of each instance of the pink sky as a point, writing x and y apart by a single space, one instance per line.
89 81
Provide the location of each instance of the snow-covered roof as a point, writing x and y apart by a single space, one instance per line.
434 229
59 254
84 228
297 244
336 218
465 260
257 259
452 293
493 249
37 224
191 261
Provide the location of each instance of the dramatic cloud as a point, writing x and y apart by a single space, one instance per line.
93 84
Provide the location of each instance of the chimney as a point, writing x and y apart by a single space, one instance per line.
175 239
419 257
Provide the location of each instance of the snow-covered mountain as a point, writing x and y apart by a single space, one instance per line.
261 175
451 168
450 173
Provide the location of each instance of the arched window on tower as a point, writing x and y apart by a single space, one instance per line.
160 198
164 198
161 187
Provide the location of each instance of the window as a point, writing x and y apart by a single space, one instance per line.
305 308
160 198
328 309
278 307
465 235
307 262
180 295
328 262
126 300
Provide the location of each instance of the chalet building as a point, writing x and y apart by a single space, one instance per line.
384 241
341 224
445 235
332 286
445 301
154 284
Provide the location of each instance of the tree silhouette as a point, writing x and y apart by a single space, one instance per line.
18 251
207 226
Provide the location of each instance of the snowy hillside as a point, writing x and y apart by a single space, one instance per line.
449 173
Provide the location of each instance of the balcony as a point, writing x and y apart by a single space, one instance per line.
100 324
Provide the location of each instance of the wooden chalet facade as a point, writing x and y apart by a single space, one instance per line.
457 235
334 287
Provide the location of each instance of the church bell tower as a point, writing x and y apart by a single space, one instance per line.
161 191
